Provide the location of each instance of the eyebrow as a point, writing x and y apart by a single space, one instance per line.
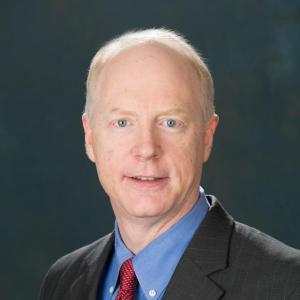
167 112
174 111
121 111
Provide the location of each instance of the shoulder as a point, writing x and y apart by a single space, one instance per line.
258 257
256 263
72 264
75 258
256 243
247 241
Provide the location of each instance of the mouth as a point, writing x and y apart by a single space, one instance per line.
146 181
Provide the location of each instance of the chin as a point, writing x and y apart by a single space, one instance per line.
146 208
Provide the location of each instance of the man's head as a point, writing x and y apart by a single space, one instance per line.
161 37
149 124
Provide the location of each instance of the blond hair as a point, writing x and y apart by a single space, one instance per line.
161 36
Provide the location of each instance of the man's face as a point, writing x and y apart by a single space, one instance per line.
147 136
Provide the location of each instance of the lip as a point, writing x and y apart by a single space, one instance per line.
158 183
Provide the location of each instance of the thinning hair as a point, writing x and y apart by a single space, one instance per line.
160 36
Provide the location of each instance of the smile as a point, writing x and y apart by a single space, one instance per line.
146 182
146 178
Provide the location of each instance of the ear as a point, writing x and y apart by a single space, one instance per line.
88 137
209 135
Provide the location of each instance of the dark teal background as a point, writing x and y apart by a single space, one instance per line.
51 201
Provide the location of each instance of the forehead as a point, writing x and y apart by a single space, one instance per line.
148 72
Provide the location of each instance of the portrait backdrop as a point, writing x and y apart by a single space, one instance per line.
51 200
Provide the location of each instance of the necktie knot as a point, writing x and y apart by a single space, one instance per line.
128 281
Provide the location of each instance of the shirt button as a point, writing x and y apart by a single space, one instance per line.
152 293
111 289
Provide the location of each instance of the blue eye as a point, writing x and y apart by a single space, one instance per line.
122 123
171 123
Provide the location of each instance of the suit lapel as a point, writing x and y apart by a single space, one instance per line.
87 282
207 254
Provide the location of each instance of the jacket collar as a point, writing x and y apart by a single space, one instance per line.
93 267
207 253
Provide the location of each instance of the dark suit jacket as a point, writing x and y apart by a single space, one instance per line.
225 260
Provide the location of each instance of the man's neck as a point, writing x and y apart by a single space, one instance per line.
137 233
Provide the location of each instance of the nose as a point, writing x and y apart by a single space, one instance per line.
146 144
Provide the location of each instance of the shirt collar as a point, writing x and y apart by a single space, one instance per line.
170 246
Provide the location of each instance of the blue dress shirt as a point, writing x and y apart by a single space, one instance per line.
156 263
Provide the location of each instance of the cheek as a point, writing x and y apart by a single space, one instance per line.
107 166
189 146
187 157
108 155
107 159
192 156
184 155
104 155
103 147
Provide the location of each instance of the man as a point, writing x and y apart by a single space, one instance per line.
149 123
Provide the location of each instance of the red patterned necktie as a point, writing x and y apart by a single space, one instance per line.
128 281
